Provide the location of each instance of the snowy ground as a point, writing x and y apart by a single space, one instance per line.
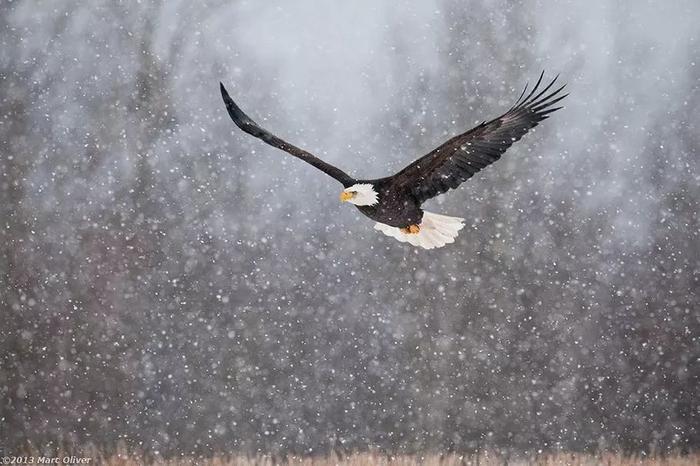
568 459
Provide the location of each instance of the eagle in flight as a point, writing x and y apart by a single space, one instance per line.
394 202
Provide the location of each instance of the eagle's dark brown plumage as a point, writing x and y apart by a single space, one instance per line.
461 157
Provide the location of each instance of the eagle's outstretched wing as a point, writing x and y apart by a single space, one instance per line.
462 156
244 122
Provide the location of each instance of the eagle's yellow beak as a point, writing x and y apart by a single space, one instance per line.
346 196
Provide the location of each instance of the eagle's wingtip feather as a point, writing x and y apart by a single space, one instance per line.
224 92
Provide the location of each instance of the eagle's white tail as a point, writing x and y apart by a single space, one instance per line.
435 231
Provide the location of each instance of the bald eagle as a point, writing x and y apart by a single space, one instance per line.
394 202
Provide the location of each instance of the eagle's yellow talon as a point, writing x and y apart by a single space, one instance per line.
411 229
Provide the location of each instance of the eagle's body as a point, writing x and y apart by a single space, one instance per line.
394 202
396 206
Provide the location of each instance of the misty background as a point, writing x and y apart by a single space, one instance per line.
171 284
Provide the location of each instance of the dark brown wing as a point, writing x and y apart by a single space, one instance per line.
245 123
462 156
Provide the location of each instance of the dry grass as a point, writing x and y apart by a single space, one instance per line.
367 459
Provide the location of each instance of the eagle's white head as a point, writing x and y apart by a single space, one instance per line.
360 194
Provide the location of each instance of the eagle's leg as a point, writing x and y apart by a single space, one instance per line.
411 229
